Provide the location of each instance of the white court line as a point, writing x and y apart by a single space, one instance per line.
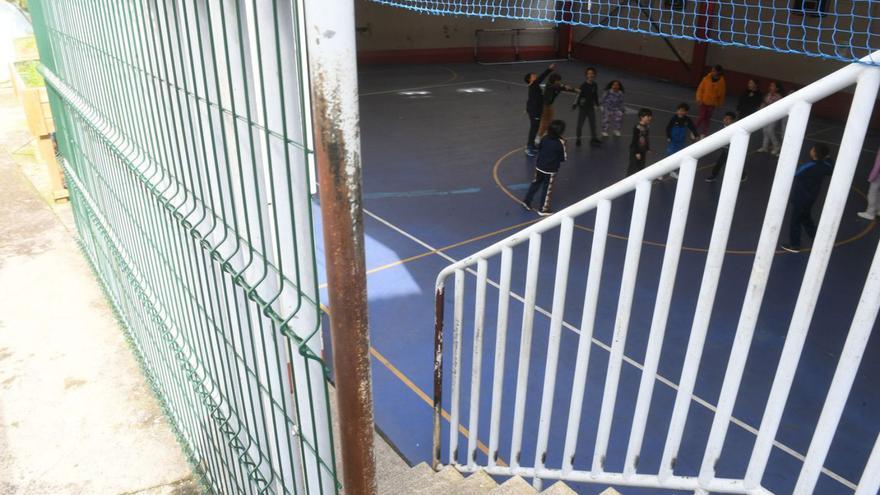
742 424
430 86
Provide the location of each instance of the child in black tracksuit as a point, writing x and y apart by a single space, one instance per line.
805 190
551 154
641 142
586 103
535 106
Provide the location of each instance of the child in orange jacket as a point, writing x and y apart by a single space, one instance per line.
710 95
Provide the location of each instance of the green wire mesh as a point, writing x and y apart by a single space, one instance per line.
183 127
845 31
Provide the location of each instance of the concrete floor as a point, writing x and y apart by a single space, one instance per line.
76 416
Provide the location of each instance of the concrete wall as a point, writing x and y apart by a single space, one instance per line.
764 64
381 27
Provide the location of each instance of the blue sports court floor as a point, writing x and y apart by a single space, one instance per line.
443 166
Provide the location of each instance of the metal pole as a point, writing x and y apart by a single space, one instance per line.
330 31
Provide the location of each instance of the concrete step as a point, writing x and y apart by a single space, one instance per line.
445 479
418 478
559 488
478 483
514 486
422 480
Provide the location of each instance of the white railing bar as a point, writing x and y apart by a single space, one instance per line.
632 362
525 347
706 299
828 85
782 180
638 219
847 368
500 352
455 393
719 485
835 200
666 284
870 482
588 320
560 286
477 362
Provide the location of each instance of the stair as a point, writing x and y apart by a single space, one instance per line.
422 480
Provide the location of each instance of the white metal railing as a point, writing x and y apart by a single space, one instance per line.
796 107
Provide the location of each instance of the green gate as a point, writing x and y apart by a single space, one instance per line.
185 132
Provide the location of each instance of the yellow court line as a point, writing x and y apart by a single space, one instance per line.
621 237
419 392
442 249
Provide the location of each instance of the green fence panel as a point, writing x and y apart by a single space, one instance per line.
183 126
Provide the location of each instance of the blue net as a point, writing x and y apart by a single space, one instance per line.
846 30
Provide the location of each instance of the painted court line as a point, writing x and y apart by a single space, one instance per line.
417 88
711 407
444 248
622 237
419 392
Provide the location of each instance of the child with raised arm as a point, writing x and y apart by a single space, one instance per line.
552 89
534 106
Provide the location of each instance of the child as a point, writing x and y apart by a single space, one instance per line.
750 101
805 191
551 153
710 95
729 118
677 132
586 103
873 192
534 106
551 91
641 142
612 108
771 132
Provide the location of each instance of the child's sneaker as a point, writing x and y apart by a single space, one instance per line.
525 206
711 178
790 248
617 133
531 152
865 215
545 212
604 134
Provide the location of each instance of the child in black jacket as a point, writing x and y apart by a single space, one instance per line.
586 103
551 154
805 190
721 161
641 142
535 106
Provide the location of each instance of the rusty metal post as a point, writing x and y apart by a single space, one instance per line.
330 31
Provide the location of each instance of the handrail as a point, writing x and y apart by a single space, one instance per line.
796 107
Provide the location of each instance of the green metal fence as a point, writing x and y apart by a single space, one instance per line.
184 128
